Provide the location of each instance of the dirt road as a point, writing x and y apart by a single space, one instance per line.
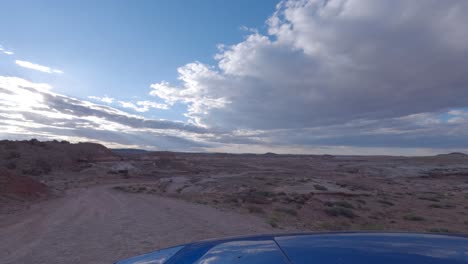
102 225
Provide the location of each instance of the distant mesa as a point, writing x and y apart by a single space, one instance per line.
454 155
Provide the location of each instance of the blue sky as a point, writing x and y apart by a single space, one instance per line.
296 76
119 48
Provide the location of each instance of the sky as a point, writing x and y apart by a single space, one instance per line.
386 77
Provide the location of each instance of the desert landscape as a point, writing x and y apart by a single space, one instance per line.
85 203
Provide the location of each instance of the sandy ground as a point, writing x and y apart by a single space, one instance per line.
102 225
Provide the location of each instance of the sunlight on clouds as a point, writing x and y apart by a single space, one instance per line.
20 97
37 67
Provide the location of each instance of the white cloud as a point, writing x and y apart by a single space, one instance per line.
198 80
326 62
105 99
29 109
4 51
143 106
37 67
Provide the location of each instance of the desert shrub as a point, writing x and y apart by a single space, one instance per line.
372 226
438 230
119 188
288 211
386 202
442 206
43 166
344 204
339 204
340 211
414 218
12 155
265 193
141 189
331 226
231 199
255 209
273 222
432 199
435 197
258 197
320 187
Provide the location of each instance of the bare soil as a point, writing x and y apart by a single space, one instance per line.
102 225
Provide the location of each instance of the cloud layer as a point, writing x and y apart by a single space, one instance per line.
30 109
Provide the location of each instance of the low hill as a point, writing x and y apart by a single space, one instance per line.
34 157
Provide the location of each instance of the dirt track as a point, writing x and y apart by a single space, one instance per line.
101 225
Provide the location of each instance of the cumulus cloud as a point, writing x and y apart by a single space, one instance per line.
326 62
37 67
4 51
199 81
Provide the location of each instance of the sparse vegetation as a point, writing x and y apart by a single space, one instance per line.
273 222
340 204
288 211
255 209
442 206
432 199
319 187
438 230
386 202
340 211
414 218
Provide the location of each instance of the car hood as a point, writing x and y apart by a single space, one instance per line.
323 248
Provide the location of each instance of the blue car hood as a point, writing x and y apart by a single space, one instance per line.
323 248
